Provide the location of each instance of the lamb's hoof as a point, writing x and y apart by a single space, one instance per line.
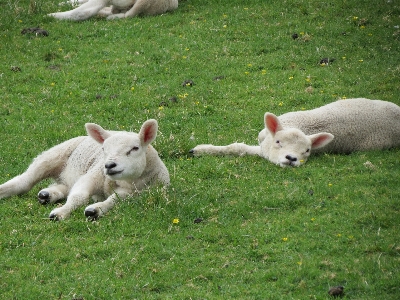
91 213
191 151
44 197
54 217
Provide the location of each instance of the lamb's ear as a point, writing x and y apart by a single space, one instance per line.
148 132
97 132
272 123
320 140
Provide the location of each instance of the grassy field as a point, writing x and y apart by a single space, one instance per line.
261 232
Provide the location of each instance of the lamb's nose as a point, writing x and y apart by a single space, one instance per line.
110 165
291 158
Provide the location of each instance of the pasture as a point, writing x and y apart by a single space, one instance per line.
228 227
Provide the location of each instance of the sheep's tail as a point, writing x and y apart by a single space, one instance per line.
236 149
49 164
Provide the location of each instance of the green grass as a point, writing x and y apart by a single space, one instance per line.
267 232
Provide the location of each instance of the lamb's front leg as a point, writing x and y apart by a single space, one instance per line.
238 149
79 195
96 210
83 12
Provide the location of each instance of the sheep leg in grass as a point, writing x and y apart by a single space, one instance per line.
83 12
237 149
80 194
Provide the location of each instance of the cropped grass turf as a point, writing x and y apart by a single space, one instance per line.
247 229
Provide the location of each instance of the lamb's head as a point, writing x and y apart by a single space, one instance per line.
124 152
290 146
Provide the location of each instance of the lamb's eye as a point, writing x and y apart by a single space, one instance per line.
308 150
277 142
133 149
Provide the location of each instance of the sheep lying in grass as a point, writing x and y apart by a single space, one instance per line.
343 126
119 9
108 165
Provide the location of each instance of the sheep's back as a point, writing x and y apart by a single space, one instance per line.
88 155
357 124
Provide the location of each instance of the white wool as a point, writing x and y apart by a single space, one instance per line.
106 166
118 9
343 126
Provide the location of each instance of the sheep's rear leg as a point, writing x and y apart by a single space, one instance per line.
53 194
238 149
83 12
21 184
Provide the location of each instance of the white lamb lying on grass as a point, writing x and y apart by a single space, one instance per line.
119 9
106 165
343 126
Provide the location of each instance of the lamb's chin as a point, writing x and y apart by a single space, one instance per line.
286 164
115 176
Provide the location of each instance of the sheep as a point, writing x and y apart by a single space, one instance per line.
343 126
106 166
119 9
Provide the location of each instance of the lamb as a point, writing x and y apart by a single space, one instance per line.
106 165
343 126
119 9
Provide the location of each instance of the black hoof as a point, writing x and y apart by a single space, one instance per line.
91 213
44 197
191 151
54 217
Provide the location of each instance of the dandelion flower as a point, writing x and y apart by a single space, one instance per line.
175 221
285 239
